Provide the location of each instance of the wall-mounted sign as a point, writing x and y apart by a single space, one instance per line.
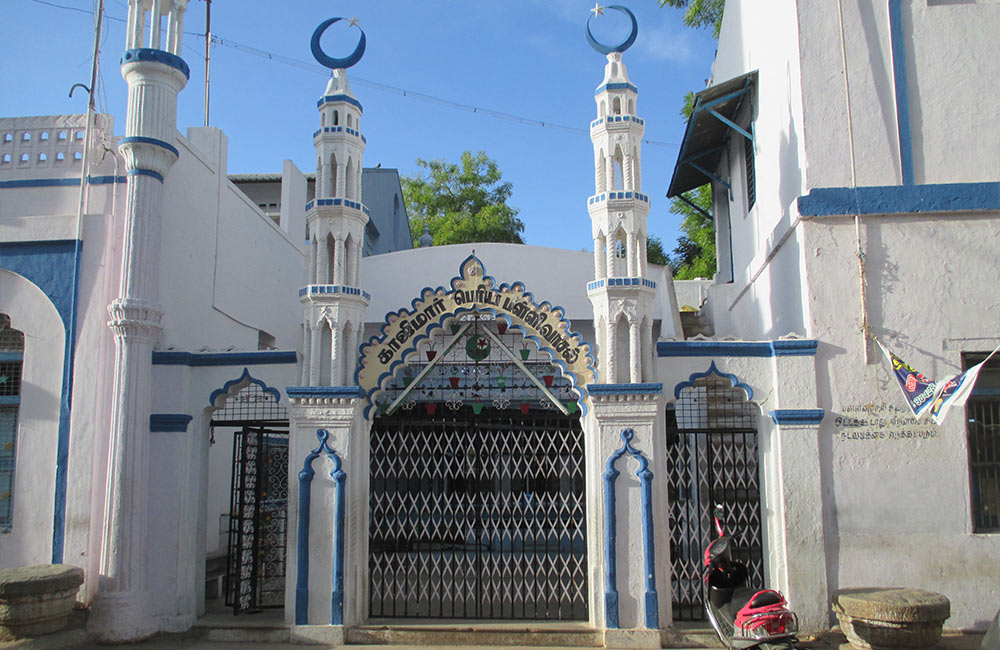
474 291
880 422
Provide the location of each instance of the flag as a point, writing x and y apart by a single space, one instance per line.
918 390
955 390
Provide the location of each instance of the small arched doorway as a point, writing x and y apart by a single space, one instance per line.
712 459
477 481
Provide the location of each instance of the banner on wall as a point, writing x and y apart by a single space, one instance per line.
927 397
955 390
918 390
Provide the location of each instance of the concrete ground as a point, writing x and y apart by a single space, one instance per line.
76 640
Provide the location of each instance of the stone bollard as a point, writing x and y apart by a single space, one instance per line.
37 600
891 618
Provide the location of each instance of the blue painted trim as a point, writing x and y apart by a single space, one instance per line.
894 199
247 378
10 400
897 45
779 348
616 86
145 172
54 267
797 416
199 359
652 614
296 392
159 56
626 389
11 356
713 370
302 570
327 99
168 422
153 141
60 182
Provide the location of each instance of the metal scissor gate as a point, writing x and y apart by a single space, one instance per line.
478 515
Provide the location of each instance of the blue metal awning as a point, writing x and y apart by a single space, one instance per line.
714 116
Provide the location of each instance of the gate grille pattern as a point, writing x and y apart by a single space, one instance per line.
258 512
478 516
711 459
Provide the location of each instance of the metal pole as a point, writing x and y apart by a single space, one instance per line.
208 41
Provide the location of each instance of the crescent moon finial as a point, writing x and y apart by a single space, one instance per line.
619 47
332 62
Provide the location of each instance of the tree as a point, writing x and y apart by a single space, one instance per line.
700 13
694 255
654 251
462 203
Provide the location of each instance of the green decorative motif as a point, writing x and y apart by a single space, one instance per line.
478 347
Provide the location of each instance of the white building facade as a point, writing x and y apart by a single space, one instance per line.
292 410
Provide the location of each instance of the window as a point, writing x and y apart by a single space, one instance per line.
982 413
11 356
748 164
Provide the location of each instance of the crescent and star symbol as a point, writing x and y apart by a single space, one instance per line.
331 62
598 10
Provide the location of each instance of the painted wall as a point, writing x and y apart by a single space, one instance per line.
899 509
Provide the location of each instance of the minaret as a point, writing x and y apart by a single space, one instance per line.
333 302
621 295
155 74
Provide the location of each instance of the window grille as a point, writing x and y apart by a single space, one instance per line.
983 429
11 363
751 172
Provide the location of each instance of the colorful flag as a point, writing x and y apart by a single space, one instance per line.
918 390
955 390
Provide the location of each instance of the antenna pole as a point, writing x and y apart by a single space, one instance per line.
208 41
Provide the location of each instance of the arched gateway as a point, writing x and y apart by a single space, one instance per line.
477 506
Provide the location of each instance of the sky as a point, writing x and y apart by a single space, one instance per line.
438 77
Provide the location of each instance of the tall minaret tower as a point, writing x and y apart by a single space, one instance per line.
155 74
333 302
621 295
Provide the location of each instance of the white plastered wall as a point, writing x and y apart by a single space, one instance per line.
31 312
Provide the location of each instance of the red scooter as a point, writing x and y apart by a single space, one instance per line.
743 619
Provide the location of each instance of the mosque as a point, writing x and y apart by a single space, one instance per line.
512 433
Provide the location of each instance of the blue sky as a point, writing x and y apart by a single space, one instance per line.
526 58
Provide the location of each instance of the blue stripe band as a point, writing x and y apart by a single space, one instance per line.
780 348
895 199
198 359
296 392
159 56
60 182
144 140
625 389
145 172
797 416
339 98
168 422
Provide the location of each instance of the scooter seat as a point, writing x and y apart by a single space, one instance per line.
764 598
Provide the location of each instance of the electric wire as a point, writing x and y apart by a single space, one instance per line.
374 85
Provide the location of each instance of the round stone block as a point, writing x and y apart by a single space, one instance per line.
887 618
37 600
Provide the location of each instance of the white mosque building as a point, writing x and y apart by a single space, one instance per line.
512 433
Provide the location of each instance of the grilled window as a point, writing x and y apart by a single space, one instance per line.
983 428
11 362
748 164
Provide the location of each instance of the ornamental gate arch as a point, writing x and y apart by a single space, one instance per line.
477 506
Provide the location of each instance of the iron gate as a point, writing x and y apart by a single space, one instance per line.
478 515
711 459
258 514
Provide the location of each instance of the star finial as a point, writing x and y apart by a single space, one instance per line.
598 10
353 22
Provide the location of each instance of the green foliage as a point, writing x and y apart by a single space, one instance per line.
654 251
694 255
463 203
700 13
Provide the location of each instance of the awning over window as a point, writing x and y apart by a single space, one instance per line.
714 116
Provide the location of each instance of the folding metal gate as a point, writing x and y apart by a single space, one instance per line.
711 459
478 515
258 514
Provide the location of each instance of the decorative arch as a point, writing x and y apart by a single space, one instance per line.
471 291
713 370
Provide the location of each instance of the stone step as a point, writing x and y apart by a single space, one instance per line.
479 634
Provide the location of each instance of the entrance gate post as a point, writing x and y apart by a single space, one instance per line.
327 512
629 542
